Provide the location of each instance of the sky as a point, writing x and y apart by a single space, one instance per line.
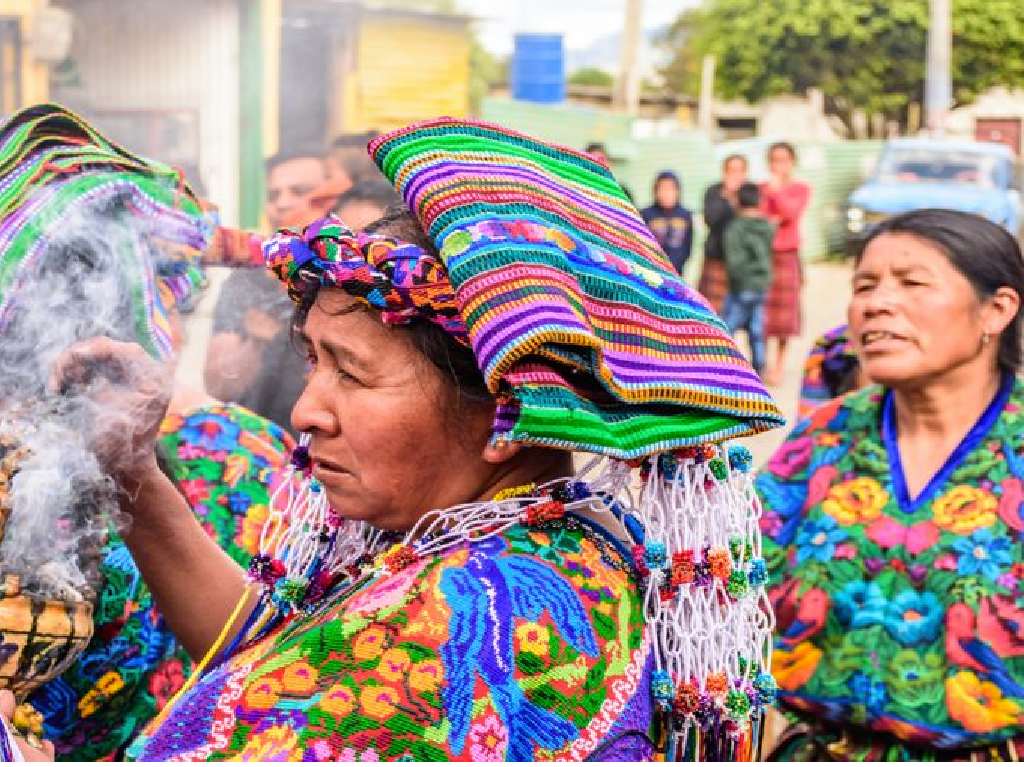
581 21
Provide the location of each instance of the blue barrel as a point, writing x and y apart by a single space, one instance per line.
538 69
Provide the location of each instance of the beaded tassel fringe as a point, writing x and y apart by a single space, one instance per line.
693 522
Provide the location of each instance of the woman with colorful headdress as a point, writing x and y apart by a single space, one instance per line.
94 239
435 580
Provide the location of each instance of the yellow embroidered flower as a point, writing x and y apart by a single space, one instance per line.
855 501
979 706
393 664
106 687
426 676
965 509
338 701
533 638
369 643
379 702
252 526
263 694
274 744
299 679
793 668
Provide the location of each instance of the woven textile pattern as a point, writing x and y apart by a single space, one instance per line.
524 646
54 167
222 460
399 279
897 616
580 325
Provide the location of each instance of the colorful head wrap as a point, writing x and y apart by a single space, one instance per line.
53 166
584 333
580 325
829 370
399 279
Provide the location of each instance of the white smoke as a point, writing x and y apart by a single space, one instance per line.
63 501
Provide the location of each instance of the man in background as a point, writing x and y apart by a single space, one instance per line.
293 178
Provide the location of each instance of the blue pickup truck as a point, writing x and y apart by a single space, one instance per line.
972 176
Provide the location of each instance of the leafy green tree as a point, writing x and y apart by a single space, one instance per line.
863 54
592 76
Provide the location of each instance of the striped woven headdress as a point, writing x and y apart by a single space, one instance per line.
56 170
584 333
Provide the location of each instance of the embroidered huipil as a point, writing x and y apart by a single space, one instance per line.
528 645
901 615
222 459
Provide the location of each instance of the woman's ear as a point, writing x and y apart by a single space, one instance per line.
1001 309
500 451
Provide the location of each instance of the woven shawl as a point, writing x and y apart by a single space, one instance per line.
53 166
585 334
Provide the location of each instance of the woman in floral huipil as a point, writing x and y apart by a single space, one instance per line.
893 516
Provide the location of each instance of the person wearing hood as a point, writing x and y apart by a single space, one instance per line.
669 221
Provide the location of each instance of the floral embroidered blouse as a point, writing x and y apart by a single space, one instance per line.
902 615
523 646
221 458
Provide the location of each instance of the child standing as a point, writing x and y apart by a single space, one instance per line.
748 262
669 221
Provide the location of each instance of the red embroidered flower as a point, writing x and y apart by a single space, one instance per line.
166 680
687 699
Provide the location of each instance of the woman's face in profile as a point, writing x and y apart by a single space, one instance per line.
913 315
386 445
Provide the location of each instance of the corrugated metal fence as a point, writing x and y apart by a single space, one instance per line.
833 169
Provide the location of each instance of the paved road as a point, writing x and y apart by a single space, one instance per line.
826 295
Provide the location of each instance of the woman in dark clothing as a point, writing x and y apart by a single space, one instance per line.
719 209
669 221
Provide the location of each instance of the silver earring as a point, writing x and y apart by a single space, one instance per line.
984 339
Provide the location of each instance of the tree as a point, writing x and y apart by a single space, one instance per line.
862 54
592 76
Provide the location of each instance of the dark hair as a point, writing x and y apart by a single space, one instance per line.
749 195
731 157
299 153
785 145
455 362
668 175
596 146
354 140
376 191
986 254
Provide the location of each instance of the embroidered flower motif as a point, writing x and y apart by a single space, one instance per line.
914 618
263 694
488 740
338 701
860 604
792 457
856 501
817 539
982 554
887 532
979 706
299 679
868 691
386 591
166 680
274 744
915 680
792 669
393 664
965 509
369 643
533 638
426 676
379 702
106 687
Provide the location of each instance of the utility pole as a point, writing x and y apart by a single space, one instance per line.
706 101
627 91
938 85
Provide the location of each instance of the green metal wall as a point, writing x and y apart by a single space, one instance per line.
833 169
